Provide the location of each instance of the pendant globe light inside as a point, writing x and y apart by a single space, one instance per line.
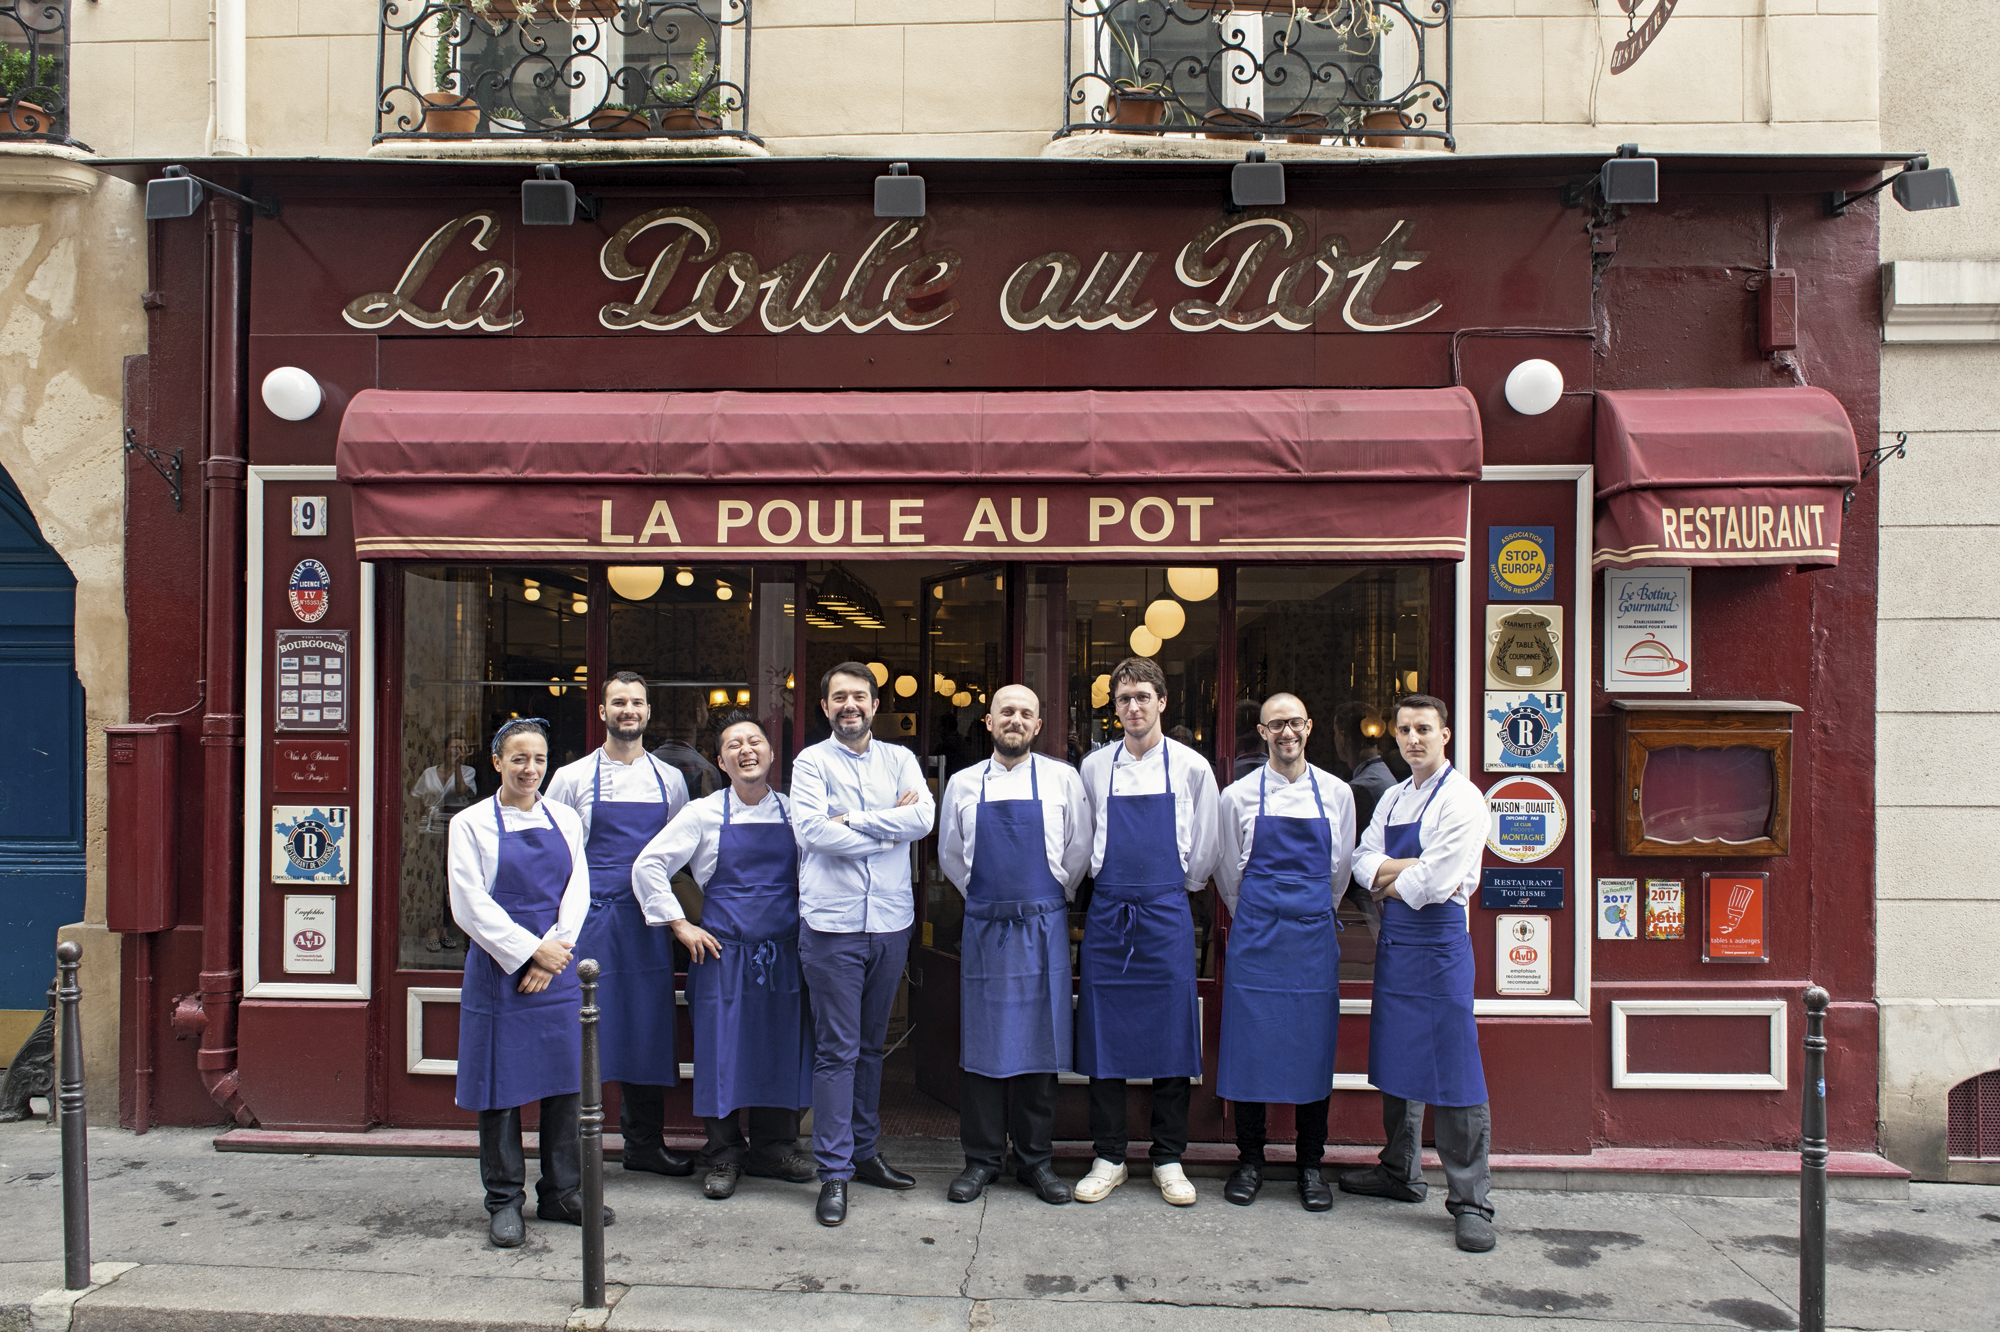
880 672
635 582
961 698
1193 584
1165 618
1144 641
685 578
906 685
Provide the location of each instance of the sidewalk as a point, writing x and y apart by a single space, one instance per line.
233 1242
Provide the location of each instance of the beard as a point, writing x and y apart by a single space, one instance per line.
626 734
845 725
1010 746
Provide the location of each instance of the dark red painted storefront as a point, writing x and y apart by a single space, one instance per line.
1665 298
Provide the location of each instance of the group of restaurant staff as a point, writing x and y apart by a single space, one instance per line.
805 921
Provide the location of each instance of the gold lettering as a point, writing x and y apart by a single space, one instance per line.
604 532
900 517
661 519
1819 532
986 518
764 522
1103 513
839 522
861 539
728 514
1041 520
1670 535
1140 530
1700 527
1764 538
1733 534
1194 508
1784 524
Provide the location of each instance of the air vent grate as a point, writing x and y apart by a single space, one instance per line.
1973 1128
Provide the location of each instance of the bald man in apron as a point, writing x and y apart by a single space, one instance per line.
1420 860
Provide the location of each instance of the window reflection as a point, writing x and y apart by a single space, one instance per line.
1118 612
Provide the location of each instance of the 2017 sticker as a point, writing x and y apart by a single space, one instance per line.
310 590
309 844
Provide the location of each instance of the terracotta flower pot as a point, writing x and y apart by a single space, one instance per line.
1217 124
1375 123
688 120
1135 106
450 113
614 121
26 118
1306 127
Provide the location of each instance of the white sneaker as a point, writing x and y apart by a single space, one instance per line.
1104 1176
1174 1185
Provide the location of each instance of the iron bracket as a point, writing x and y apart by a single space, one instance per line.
168 468
1872 461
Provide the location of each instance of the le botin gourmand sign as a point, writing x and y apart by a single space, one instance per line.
1105 265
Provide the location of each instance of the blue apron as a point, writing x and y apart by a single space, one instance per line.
1014 1001
1423 1044
752 1032
514 1048
1281 977
635 995
1137 1016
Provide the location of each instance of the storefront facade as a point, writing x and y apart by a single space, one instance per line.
737 429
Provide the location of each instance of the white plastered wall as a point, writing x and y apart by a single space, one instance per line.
1938 645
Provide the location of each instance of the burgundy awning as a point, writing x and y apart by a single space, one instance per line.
1721 476
644 477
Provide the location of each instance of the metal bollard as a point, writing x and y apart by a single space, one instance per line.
592 1120
1812 1170
75 1142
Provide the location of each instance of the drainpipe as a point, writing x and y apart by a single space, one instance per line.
229 52
223 474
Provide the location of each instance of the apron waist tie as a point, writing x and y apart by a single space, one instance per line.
1126 916
762 959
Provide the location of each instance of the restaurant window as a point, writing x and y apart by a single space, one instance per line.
480 646
1115 612
1348 640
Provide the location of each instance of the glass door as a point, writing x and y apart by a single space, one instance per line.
966 650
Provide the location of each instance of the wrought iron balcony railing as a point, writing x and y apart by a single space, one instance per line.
563 69
1330 71
34 71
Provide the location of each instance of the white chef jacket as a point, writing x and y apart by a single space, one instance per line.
1195 803
1453 831
1289 800
855 877
473 858
430 790
1066 818
629 783
692 839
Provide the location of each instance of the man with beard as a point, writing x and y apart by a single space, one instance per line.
624 796
747 1001
1015 840
858 806
1153 802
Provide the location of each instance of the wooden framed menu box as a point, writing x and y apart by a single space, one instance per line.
1704 777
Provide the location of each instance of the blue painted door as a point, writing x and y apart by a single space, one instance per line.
41 734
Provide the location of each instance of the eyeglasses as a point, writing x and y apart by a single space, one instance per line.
1284 724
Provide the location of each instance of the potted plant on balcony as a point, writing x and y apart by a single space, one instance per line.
447 111
617 118
562 11
1134 101
17 78
695 81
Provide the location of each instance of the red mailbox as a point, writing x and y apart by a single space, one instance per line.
142 842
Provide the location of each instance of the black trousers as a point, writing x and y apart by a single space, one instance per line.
992 1110
503 1168
642 1114
1170 1118
1251 1119
1464 1137
774 1135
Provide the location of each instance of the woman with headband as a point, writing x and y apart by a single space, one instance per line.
519 890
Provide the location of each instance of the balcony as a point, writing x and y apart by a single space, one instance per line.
1372 73
649 71
34 72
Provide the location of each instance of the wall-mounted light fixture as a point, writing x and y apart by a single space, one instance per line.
1256 183
550 201
1918 187
175 193
1534 386
291 393
1625 179
899 194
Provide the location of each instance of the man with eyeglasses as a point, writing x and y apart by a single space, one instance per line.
1154 805
1287 840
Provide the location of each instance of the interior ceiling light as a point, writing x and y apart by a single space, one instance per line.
1193 584
906 685
880 672
685 578
961 699
723 591
1165 618
1144 641
635 582
717 697
531 593
743 698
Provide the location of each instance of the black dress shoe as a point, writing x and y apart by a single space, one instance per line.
1375 1182
1047 1184
657 1159
971 1182
570 1213
503 1228
1475 1232
832 1209
721 1181
882 1175
1244 1181
794 1167
1314 1195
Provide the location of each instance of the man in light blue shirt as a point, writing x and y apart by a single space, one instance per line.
858 805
